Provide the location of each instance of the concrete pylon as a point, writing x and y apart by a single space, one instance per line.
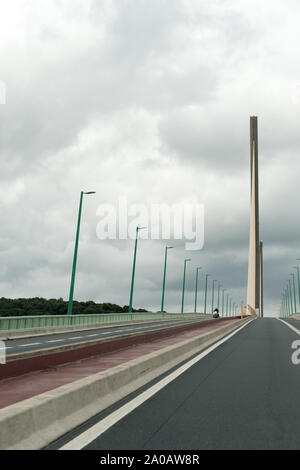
261 285
253 293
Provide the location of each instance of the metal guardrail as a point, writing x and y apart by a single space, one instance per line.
62 321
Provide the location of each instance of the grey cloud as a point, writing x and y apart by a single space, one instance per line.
154 104
49 104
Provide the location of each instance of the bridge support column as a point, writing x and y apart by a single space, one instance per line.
261 287
254 284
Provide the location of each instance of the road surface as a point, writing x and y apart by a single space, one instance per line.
36 343
245 394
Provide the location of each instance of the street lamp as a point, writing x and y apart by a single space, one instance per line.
291 298
183 284
133 267
223 302
296 267
227 297
294 286
205 295
196 287
213 295
219 287
164 280
286 302
70 304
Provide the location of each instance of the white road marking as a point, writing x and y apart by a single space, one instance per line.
90 336
290 326
75 337
98 429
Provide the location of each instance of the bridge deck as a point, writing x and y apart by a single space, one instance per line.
21 388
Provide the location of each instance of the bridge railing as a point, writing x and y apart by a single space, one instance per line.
63 321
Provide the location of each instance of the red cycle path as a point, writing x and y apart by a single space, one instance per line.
21 388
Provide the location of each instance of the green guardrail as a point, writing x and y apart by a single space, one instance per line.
61 321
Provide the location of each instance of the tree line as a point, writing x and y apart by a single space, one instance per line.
41 306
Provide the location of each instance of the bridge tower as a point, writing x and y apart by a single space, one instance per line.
261 285
254 293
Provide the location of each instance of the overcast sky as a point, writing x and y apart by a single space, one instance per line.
148 100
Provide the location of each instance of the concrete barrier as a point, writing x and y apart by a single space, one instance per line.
34 423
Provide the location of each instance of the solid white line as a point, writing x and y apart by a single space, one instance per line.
290 326
95 431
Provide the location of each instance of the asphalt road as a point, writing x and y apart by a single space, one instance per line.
245 394
36 343
293 321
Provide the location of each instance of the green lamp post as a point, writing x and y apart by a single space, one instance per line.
213 295
294 290
133 267
70 304
196 287
205 294
164 279
183 283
